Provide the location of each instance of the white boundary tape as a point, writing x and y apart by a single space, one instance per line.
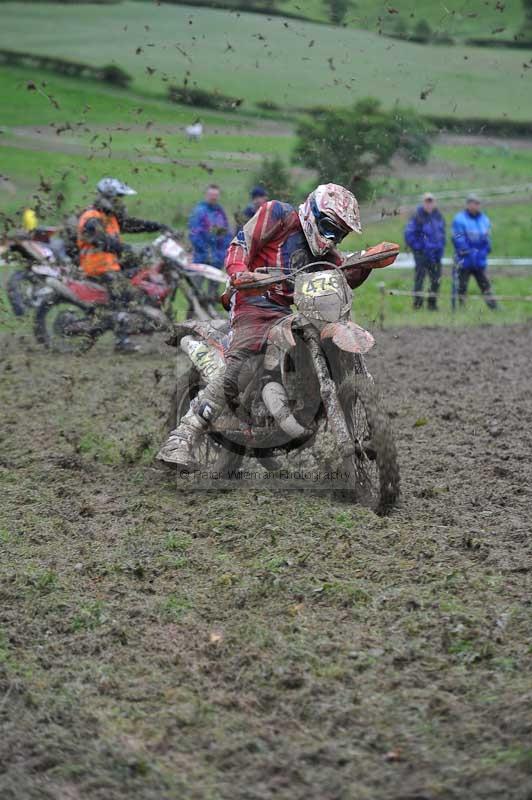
406 261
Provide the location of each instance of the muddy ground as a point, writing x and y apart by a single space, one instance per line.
256 642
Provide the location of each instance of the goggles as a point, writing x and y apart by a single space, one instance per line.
329 228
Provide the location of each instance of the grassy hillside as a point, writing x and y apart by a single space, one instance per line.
97 130
257 58
457 18
107 134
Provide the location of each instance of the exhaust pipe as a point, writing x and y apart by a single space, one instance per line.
276 401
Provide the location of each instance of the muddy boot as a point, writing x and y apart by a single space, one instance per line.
179 447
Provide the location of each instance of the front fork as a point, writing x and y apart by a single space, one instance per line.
329 396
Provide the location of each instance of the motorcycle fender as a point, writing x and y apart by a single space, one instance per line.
205 358
281 334
62 290
38 251
206 271
44 271
208 331
348 336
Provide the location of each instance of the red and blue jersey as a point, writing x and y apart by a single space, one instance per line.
274 239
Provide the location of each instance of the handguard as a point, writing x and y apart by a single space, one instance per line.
376 257
247 282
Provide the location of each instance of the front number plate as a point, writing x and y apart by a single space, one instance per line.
321 285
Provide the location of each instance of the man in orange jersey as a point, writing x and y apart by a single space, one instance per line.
101 250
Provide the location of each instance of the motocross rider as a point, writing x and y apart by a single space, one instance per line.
102 254
276 236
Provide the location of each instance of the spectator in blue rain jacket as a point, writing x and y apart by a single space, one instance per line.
472 244
209 231
425 235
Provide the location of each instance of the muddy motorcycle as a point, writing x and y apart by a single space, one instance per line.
311 376
76 312
37 256
171 256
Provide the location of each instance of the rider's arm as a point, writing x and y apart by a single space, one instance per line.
136 225
271 220
94 233
355 276
236 258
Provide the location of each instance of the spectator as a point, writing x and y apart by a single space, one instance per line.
209 232
258 196
472 243
208 229
425 235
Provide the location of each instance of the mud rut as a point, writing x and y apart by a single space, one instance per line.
253 642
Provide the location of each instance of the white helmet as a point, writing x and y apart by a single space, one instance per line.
327 216
112 187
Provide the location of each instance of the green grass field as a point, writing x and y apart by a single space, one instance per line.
70 133
257 58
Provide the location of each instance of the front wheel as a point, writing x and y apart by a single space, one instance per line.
63 327
373 471
21 290
209 452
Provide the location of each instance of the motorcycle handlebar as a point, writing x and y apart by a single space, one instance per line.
370 259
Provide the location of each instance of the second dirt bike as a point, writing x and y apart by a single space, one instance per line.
36 256
312 375
74 313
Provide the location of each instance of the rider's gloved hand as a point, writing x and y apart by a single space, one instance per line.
235 284
240 278
114 245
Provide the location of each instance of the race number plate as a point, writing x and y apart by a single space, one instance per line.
321 284
205 360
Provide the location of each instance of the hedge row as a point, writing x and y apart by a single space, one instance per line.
110 73
244 5
201 98
517 44
432 38
490 127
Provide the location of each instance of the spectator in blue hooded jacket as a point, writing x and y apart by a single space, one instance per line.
425 235
209 232
472 244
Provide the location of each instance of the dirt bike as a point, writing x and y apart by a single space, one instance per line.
311 375
38 256
74 313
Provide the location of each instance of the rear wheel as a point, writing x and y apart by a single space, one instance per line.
21 291
373 471
63 327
